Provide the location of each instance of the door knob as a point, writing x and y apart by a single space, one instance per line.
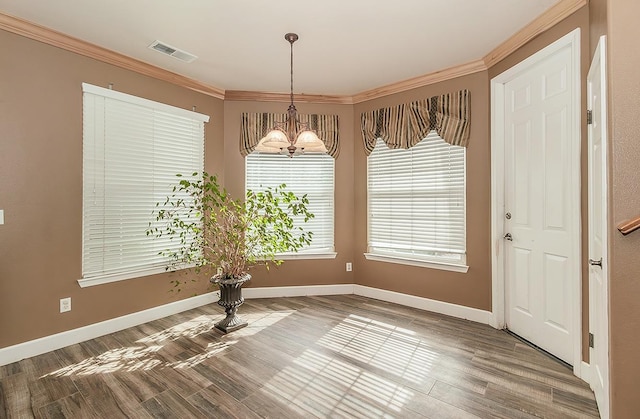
595 262
508 237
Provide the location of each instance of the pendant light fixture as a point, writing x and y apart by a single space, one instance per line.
291 136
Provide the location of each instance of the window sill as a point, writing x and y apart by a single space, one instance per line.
299 256
106 279
417 262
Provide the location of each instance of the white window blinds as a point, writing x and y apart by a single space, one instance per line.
416 200
132 150
311 174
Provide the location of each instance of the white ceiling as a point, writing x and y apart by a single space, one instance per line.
345 47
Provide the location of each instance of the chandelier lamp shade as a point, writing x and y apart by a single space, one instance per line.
291 136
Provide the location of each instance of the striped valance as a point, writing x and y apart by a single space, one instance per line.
405 125
254 126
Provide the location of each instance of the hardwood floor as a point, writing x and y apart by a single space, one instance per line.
335 356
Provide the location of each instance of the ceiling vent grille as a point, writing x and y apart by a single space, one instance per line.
172 51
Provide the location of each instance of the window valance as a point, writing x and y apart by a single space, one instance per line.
254 126
405 125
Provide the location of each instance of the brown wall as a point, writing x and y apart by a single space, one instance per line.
579 19
41 189
624 197
301 272
597 23
472 289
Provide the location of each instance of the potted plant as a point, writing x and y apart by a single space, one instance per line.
226 237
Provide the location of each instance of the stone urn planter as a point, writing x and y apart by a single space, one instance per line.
230 298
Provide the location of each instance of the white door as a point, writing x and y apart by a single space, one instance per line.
598 278
541 262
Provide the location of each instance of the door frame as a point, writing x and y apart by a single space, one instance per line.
599 59
572 40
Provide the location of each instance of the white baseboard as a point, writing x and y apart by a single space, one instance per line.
493 321
297 291
441 307
453 310
60 340
583 372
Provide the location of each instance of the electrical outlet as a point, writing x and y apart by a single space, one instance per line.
65 304
1 217
349 267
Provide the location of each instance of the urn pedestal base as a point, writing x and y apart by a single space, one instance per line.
231 298
231 322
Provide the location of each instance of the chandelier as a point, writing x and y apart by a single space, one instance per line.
291 136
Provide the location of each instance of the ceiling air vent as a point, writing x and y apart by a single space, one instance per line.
172 51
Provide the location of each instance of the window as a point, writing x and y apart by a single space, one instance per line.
311 174
416 201
132 150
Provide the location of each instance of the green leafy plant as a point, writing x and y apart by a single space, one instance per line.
224 236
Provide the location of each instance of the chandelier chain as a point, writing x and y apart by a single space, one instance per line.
291 44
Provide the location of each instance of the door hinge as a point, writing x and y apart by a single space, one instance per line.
590 340
589 117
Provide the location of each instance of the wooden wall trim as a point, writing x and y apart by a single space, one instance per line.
421 81
285 97
549 18
57 39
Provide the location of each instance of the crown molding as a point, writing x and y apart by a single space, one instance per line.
421 81
57 39
549 18
243 95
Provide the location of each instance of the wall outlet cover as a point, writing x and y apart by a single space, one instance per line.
65 304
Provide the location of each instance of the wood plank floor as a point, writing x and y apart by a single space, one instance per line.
335 356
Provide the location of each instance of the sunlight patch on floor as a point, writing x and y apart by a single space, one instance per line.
318 382
189 329
260 321
150 354
322 385
392 349
132 358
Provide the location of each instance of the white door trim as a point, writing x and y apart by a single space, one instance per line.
599 60
498 186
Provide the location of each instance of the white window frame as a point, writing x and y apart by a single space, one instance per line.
272 178
112 121
411 258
